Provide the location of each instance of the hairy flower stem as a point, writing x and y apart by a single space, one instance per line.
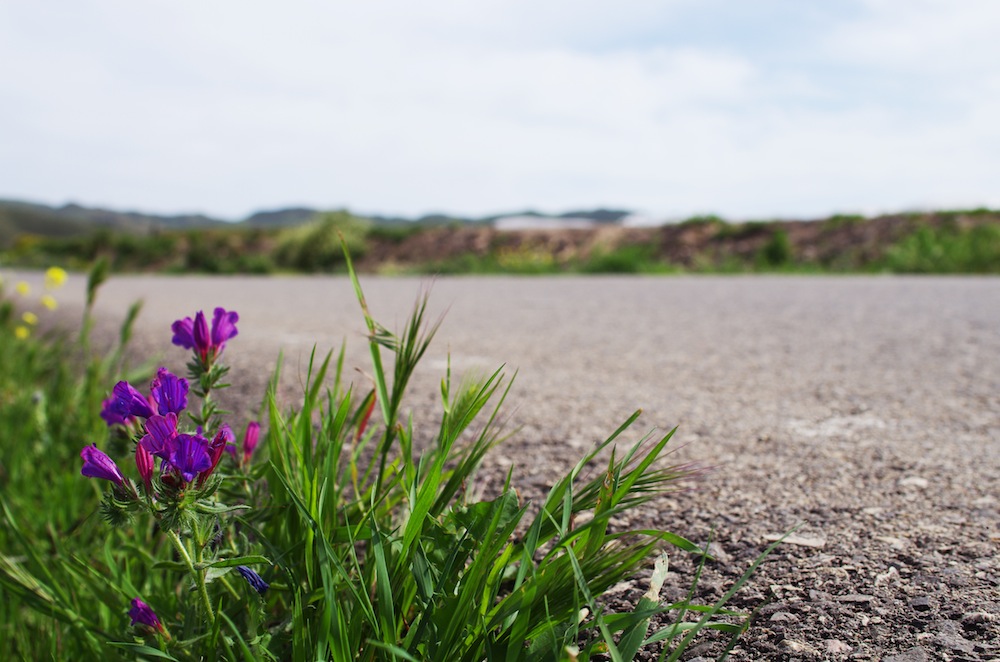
199 575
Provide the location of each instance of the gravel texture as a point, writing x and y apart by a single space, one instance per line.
865 410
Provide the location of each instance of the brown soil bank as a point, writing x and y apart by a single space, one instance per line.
841 243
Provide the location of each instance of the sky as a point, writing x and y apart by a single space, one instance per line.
672 108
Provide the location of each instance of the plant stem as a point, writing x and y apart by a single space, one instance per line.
199 575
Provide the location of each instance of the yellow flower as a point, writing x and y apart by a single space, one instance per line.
22 288
54 277
21 332
30 318
49 301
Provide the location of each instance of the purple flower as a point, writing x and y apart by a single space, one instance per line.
183 333
189 455
142 614
250 440
255 580
222 439
202 339
129 402
223 327
98 465
162 430
111 415
144 462
195 334
169 392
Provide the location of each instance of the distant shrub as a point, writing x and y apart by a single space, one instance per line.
705 219
982 211
777 251
525 259
395 234
734 231
947 250
631 259
842 220
255 263
316 246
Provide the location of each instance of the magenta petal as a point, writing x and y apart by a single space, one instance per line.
144 462
202 339
250 439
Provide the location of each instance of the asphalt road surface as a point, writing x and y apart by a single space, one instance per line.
865 409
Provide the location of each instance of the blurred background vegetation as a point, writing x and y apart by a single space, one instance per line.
307 241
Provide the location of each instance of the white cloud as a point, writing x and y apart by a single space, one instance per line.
477 107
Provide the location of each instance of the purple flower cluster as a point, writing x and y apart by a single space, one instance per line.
185 456
194 333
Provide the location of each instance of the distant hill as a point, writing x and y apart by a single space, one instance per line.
27 218
130 220
18 218
599 215
280 217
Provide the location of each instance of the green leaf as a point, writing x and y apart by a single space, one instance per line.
142 649
216 508
632 639
255 559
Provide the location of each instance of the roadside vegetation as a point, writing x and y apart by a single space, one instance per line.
941 242
140 522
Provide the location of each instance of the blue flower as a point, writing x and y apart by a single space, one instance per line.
255 580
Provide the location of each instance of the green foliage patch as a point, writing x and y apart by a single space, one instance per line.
947 249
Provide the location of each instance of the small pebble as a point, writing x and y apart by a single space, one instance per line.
949 636
837 647
800 647
895 543
783 617
855 597
915 654
801 541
